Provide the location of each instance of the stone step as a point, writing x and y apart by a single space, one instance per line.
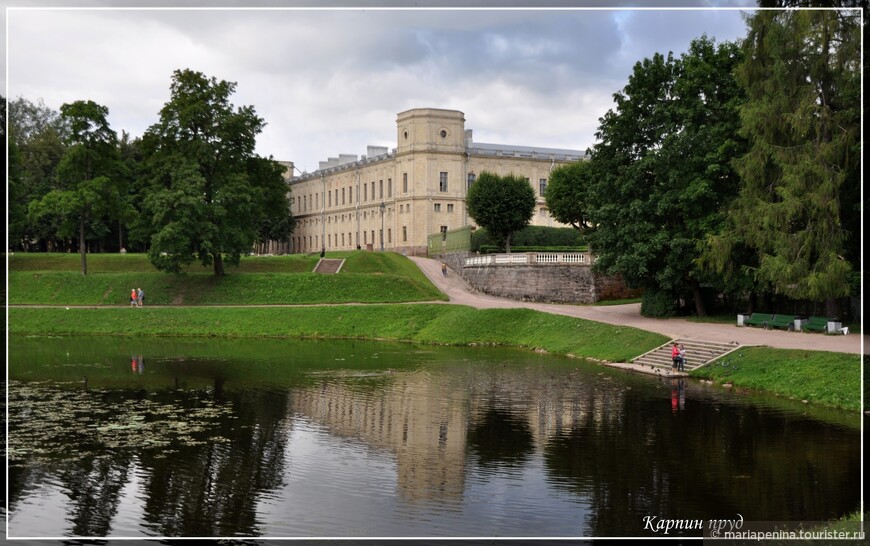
328 267
698 353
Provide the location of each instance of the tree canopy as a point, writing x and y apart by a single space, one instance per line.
798 202
87 173
35 145
566 194
501 204
662 169
211 196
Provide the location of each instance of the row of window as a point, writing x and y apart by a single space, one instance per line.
438 207
347 193
312 242
542 183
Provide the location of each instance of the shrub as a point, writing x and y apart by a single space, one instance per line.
494 249
658 303
532 236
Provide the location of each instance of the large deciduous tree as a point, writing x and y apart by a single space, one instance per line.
797 206
501 204
566 194
36 144
662 170
211 195
87 176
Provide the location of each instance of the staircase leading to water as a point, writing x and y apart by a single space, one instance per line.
698 353
328 267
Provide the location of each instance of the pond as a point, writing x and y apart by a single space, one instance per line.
121 437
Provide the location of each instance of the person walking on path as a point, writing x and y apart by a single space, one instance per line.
444 268
134 298
140 297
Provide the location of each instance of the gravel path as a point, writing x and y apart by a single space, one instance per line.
629 315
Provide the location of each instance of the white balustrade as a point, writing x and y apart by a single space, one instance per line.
543 258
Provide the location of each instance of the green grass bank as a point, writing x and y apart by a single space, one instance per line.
422 323
367 277
832 379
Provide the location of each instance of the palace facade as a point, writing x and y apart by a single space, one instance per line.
394 199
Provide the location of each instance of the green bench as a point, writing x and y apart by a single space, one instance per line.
785 322
758 319
815 324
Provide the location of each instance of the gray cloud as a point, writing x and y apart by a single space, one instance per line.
330 82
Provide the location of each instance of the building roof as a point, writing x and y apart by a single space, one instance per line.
380 153
483 148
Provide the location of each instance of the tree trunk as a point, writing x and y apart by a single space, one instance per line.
82 247
218 264
507 243
120 237
699 302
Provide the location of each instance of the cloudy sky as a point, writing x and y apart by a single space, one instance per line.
332 81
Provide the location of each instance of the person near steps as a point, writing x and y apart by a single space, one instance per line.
681 362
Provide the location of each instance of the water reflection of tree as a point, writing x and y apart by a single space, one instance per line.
94 486
213 489
500 439
713 461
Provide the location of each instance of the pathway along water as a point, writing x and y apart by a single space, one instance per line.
624 315
629 315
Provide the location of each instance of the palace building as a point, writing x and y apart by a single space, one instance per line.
394 199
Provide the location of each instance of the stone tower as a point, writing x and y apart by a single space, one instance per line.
430 130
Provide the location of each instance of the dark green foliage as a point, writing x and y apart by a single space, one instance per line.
494 249
566 194
211 196
532 236
36 145
88 194
501 204
797 206
658 303
133 229
662 169
276 223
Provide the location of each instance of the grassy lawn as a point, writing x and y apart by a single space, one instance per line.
367 277
425 323
833 379
113 263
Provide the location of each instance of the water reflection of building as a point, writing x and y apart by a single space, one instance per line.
412 418
426 422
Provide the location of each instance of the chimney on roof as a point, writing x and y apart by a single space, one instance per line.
372 151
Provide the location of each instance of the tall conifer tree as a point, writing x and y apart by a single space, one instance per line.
802 75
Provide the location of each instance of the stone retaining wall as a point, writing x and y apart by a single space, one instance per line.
550 283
